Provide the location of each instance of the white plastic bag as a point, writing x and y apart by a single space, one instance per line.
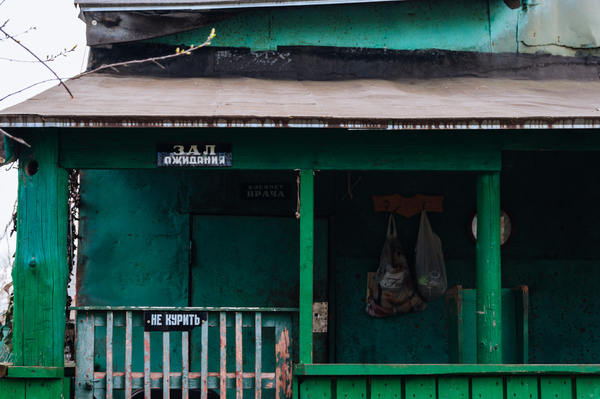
429 267
393 290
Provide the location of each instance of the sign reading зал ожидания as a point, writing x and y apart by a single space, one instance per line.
208 155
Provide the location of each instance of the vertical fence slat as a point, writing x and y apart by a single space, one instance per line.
283 356
185 366
239 357
166 366
109 355
223 366
204 361
146 365
84 372
258 361
128 345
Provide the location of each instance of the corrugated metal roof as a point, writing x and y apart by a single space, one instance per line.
139 5
458 103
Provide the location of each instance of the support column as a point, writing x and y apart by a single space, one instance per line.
489 311
306 264
40 272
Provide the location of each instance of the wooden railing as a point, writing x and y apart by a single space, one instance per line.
96 327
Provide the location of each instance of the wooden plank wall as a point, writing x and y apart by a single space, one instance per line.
450 387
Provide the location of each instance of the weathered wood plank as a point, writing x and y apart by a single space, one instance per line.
285 149
489 295
420 388
386 388
453 387
315 387
556 387
128 354
12 389
283 358
522 387
223 355
35 372
40 271
185 366
307 232
84 373
204 361
44 388
587 387
522 313
109 355
147 351
258 356
454 315
487 388
239 357
166 365
351 387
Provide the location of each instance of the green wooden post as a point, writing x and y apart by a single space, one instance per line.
306 264
489 320
40 273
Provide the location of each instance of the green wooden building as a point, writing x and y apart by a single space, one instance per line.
234 187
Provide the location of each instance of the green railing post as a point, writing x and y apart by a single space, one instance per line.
489 319
306 264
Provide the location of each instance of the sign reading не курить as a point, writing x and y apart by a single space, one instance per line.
173 321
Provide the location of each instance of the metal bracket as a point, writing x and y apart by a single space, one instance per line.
320 316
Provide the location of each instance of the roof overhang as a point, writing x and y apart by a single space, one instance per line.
203 5
458 103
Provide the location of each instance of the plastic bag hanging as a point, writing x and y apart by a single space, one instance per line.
429 268
393 290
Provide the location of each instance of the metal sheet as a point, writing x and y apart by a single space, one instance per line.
459 103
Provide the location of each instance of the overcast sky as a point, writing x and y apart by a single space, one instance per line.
56 27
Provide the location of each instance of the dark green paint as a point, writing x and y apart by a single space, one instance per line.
450 370
386 388
462 342
325 149
35 372
522 387
489 304
40 271
307 245
453 388
554 252
458 25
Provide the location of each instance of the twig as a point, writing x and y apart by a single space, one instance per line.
18 140
38 58
28 87
153 59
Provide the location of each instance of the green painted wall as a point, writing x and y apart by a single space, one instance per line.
552 196
560 27
451 25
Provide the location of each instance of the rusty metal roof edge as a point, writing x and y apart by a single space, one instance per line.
430 123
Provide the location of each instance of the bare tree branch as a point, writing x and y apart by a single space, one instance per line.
49 58
28 87
38 58
18 34
152 59
18 140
